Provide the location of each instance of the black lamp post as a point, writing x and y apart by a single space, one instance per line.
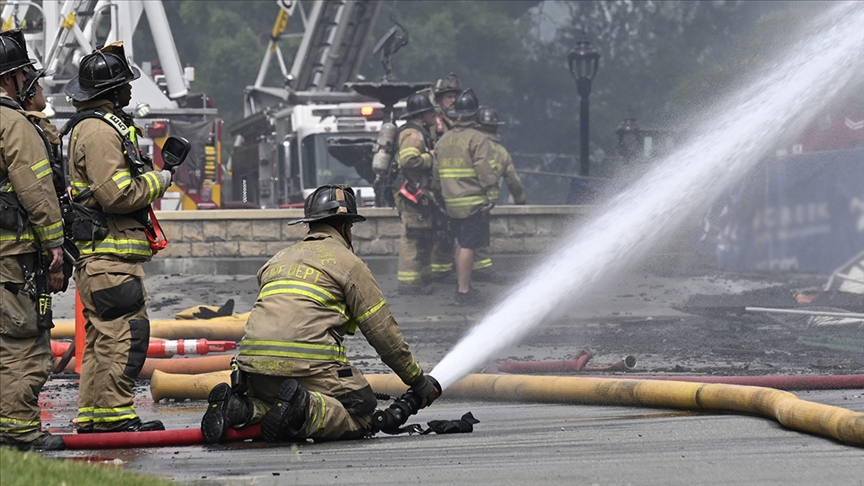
583 60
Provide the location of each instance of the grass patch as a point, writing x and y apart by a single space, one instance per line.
31 469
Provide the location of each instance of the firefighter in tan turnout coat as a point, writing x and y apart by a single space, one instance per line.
417 205
106 179
28 191
294 376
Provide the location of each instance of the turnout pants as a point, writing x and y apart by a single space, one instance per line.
117 336
25 358
415 244
340 407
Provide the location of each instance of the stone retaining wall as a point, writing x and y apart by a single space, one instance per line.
262 233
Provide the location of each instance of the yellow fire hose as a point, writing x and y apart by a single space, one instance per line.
220 328
796 414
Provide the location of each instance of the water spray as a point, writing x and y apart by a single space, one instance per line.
742 130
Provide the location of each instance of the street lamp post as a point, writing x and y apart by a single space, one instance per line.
583 60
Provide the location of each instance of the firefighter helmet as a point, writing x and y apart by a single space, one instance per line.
31 77
13 51
101 71
447 84
330 201
466 105
417 103
488 116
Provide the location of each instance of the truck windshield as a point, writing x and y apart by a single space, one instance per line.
337 158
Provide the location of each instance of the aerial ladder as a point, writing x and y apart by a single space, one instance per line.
61 32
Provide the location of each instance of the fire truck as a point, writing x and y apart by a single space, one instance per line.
60 32
322 124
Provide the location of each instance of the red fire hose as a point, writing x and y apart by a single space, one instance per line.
167 348
577 363
160 438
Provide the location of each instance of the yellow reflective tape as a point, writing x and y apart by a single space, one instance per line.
41 168
124 246
8 235
122 179
50 232
154 184
409 152
459 202
457 173
368 314
318 418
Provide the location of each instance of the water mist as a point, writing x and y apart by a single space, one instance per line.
738 133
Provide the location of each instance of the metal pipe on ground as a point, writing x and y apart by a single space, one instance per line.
789 410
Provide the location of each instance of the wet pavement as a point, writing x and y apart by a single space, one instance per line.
519 443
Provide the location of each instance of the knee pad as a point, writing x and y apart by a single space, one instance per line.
118 301
140 329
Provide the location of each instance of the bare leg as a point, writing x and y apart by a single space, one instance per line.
464 266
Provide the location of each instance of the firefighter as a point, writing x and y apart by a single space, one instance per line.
414 199
27 192
111 178
503 166
293 372
444 95
469 187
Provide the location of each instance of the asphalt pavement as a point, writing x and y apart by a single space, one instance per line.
514 443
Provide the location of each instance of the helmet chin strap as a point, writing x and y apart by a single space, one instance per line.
18 94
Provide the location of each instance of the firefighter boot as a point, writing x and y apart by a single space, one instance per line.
288 415
45 442
225 409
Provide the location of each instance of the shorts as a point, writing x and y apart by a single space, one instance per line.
472 232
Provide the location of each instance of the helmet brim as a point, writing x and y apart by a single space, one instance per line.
462 113
415 112
77 92
9 69
354 218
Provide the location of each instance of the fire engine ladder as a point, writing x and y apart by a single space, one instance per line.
334 45
69 33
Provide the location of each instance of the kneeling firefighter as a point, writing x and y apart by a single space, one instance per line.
292 372
113 185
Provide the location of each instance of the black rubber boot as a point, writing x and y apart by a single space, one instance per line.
289 413
134 425
45 442
225 409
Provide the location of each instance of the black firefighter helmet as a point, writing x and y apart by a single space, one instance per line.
417 103
31 77
330 202
466 105
101 71
488 116
13 51
447 84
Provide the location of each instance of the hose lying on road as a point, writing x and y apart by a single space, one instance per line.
192 366
156 438
220 328
814 418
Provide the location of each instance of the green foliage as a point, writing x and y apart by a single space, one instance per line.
661 60
30 468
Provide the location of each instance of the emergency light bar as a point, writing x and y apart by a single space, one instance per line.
368 112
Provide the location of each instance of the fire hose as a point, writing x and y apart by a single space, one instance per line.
818 419
158 438
222 328
203 364
577 363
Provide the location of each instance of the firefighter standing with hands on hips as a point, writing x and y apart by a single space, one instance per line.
417 205
293 374
469 186
27 192
111 178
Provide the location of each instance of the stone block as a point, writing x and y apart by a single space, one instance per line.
293 233
193 231
388 227
175 250
539 244
522 225
266 230
507 245
238 230
498 227
366 230
226 249
253 249
214 230
202 249
173 230
274 247
377 247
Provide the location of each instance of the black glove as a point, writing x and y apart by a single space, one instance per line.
428 389
462 426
